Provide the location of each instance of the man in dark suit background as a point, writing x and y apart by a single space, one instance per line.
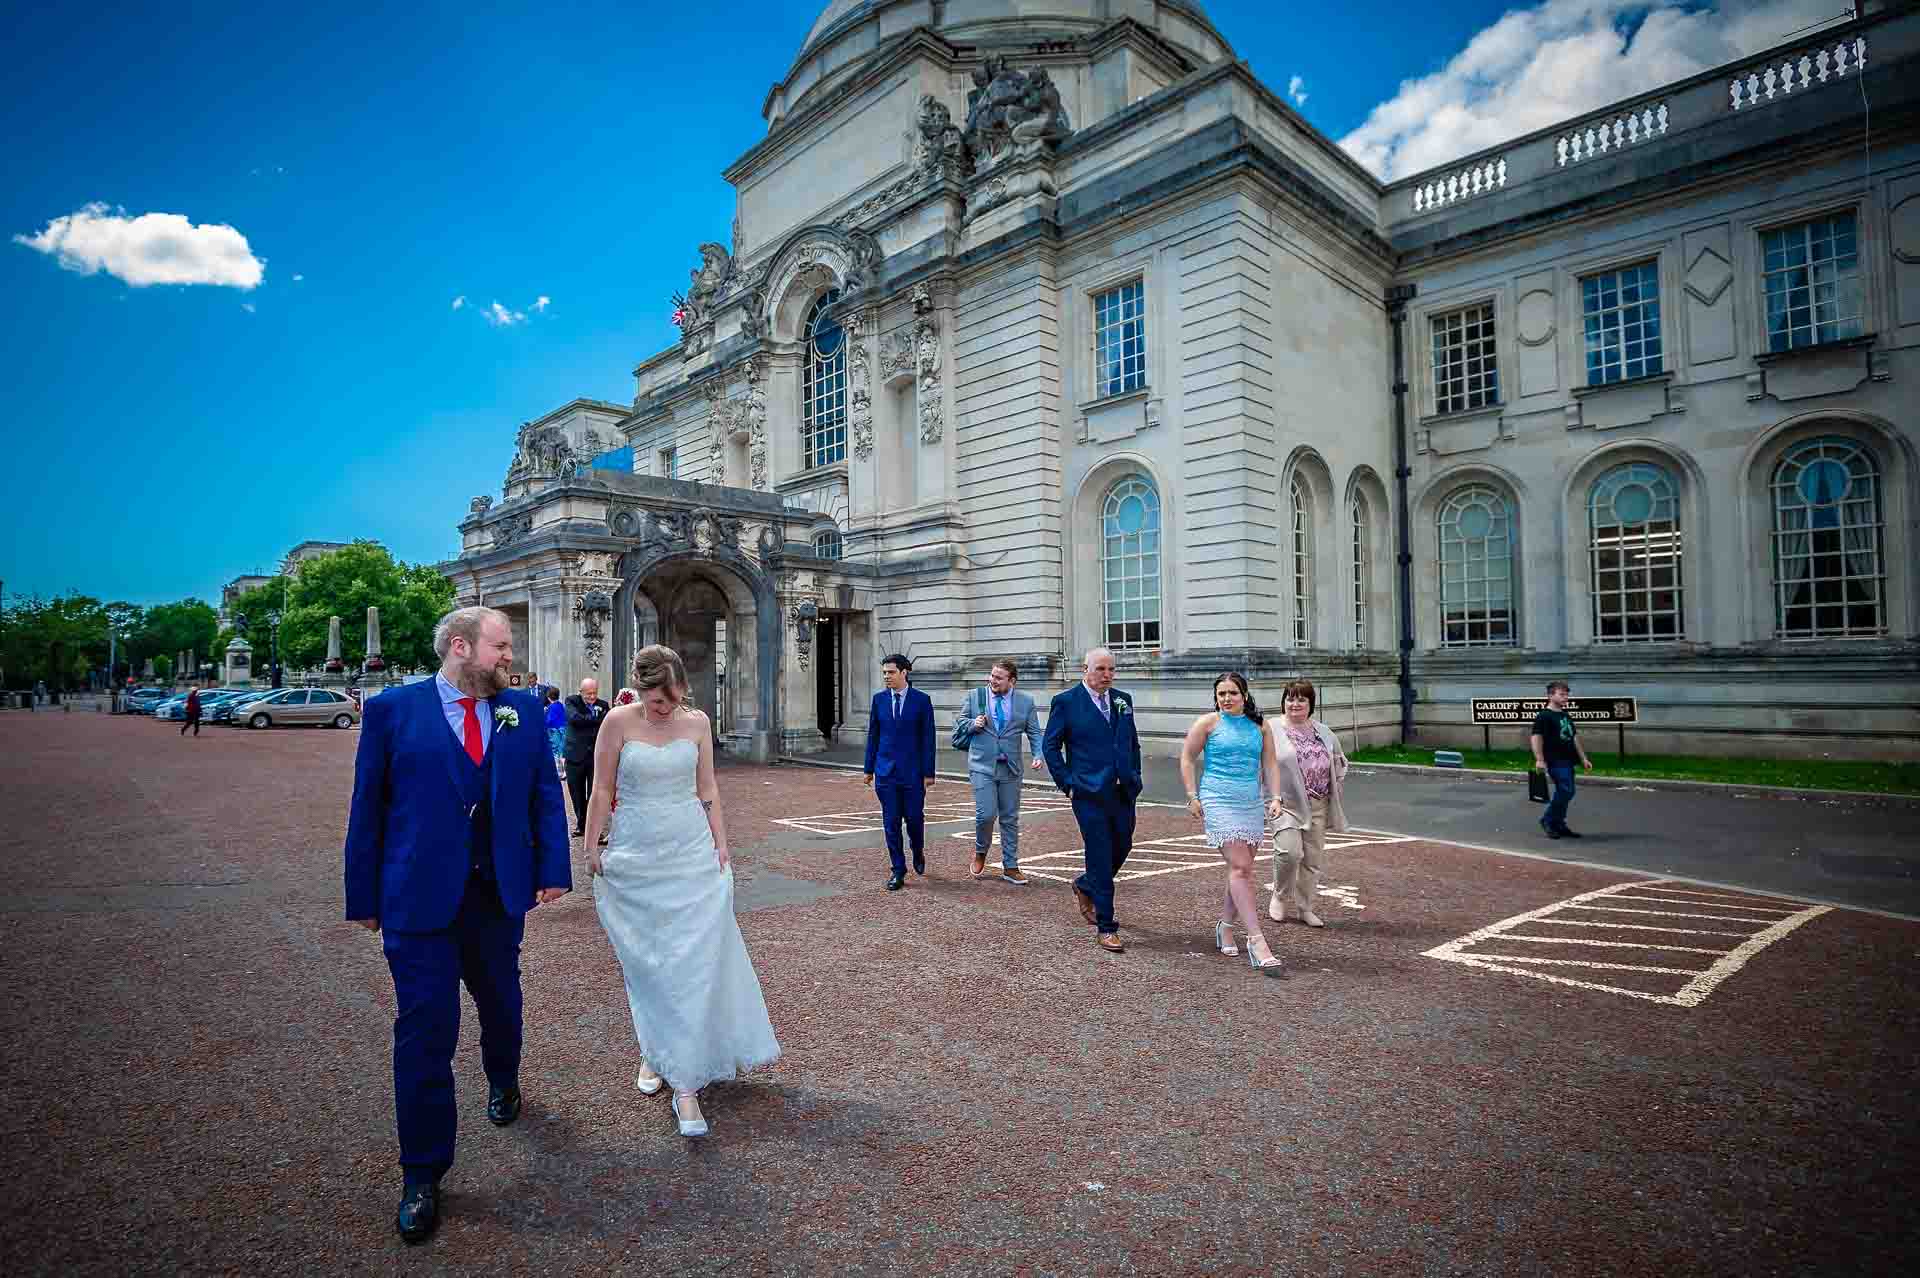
1093 751
585 713
900 763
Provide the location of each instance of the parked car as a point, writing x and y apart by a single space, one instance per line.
175 708
142 700
225 711
301 705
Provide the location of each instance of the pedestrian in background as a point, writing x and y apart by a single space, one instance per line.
1556 748
585 713
990 727
1313 769
192 719
557 729
899 764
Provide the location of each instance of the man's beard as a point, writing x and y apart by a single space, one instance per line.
483 682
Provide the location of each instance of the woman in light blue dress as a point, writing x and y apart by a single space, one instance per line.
1235 755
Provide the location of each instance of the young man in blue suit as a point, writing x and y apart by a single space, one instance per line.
1093 751
457 829
900 763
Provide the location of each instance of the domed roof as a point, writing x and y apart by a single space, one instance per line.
832 14
838 9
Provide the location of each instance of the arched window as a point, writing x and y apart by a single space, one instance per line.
827 544
1633 548
1476 569
1300 515
1829 576
824 389
1362 567
1130 556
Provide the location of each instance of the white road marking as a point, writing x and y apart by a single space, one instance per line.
1667 900
1702 982
1347 896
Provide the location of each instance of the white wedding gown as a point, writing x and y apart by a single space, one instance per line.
667 906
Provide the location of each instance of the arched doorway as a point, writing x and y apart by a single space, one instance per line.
697 629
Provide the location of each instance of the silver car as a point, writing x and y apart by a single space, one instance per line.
300 705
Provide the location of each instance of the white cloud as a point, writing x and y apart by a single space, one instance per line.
459 301
249 308
542 304
1560 59
153 248
500 317
298 278
1297 90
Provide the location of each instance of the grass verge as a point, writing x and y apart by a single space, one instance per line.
1797 774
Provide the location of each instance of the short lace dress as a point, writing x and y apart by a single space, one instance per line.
1230 784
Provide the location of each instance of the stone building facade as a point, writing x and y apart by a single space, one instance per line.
1050 325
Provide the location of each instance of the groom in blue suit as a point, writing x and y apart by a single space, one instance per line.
1093 751
457 829
900 764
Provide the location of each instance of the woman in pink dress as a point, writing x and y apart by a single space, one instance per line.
1312 768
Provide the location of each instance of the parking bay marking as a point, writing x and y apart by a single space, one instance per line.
1701 982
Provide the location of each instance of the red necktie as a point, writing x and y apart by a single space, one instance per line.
476 749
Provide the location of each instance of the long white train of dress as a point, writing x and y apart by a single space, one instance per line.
667 906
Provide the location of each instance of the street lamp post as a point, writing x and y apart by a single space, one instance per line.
273 640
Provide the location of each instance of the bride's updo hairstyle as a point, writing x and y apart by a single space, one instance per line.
658 666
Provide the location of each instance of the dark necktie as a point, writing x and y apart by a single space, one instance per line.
896 705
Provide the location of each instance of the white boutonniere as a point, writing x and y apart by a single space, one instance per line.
1122 707
506 717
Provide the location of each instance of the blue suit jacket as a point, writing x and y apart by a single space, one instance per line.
901 749
407 833
1085 751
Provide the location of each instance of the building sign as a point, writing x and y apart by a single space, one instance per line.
1603 709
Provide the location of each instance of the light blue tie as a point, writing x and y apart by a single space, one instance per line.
1000 712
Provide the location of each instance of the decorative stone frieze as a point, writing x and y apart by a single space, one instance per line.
512 529
926 346
591 609
857 324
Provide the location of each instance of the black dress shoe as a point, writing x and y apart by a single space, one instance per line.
1568 832
896 881
1551 833
419 1212
920 863
503 1105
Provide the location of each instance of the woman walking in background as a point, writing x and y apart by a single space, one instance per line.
1312 768
557 728
1236 755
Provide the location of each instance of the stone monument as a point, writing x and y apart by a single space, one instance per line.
375 662
334 663
147 671
238 667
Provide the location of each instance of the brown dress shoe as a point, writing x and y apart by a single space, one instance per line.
979 865
1112 944
1086 907
1015 875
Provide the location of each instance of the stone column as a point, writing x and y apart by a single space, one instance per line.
334 662
863 389
146 671
375 662
799 710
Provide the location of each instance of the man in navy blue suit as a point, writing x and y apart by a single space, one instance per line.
900 763
457 829
1093 751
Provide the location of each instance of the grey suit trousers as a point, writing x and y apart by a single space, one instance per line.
997 796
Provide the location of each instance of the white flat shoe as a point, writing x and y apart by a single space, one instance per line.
1312 920
648 1082
1274 910
695 1126
1222 939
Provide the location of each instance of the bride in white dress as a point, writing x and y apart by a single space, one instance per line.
664 892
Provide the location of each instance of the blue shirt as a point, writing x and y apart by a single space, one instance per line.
457 713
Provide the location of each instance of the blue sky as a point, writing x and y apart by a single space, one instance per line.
166 438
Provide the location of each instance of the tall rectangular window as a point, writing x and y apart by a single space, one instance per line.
1466 374
1120 338
669 463
1811 275
1621 311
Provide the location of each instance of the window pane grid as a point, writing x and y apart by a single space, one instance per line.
1465 371
824 394
1475 530
1829 568
1120 338
1811 277
1621 311
1634 547
1362 569
828 545
1130 563
1299 514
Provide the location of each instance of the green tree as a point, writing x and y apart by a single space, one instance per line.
344 583
58 640
169 629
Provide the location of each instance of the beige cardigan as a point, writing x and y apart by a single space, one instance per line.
1293 786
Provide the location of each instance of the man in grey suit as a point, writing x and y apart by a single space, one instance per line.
990 725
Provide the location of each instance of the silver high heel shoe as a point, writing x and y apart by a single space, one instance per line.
1222 939
689 1126
647 1081
1272 967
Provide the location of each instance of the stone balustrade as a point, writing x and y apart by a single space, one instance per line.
1624 130
1475 179
1797 71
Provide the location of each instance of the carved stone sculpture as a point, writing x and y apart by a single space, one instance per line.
755 415
926 342
939 151
856 326
590 612
1011 112
510 530
479 505
543 453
